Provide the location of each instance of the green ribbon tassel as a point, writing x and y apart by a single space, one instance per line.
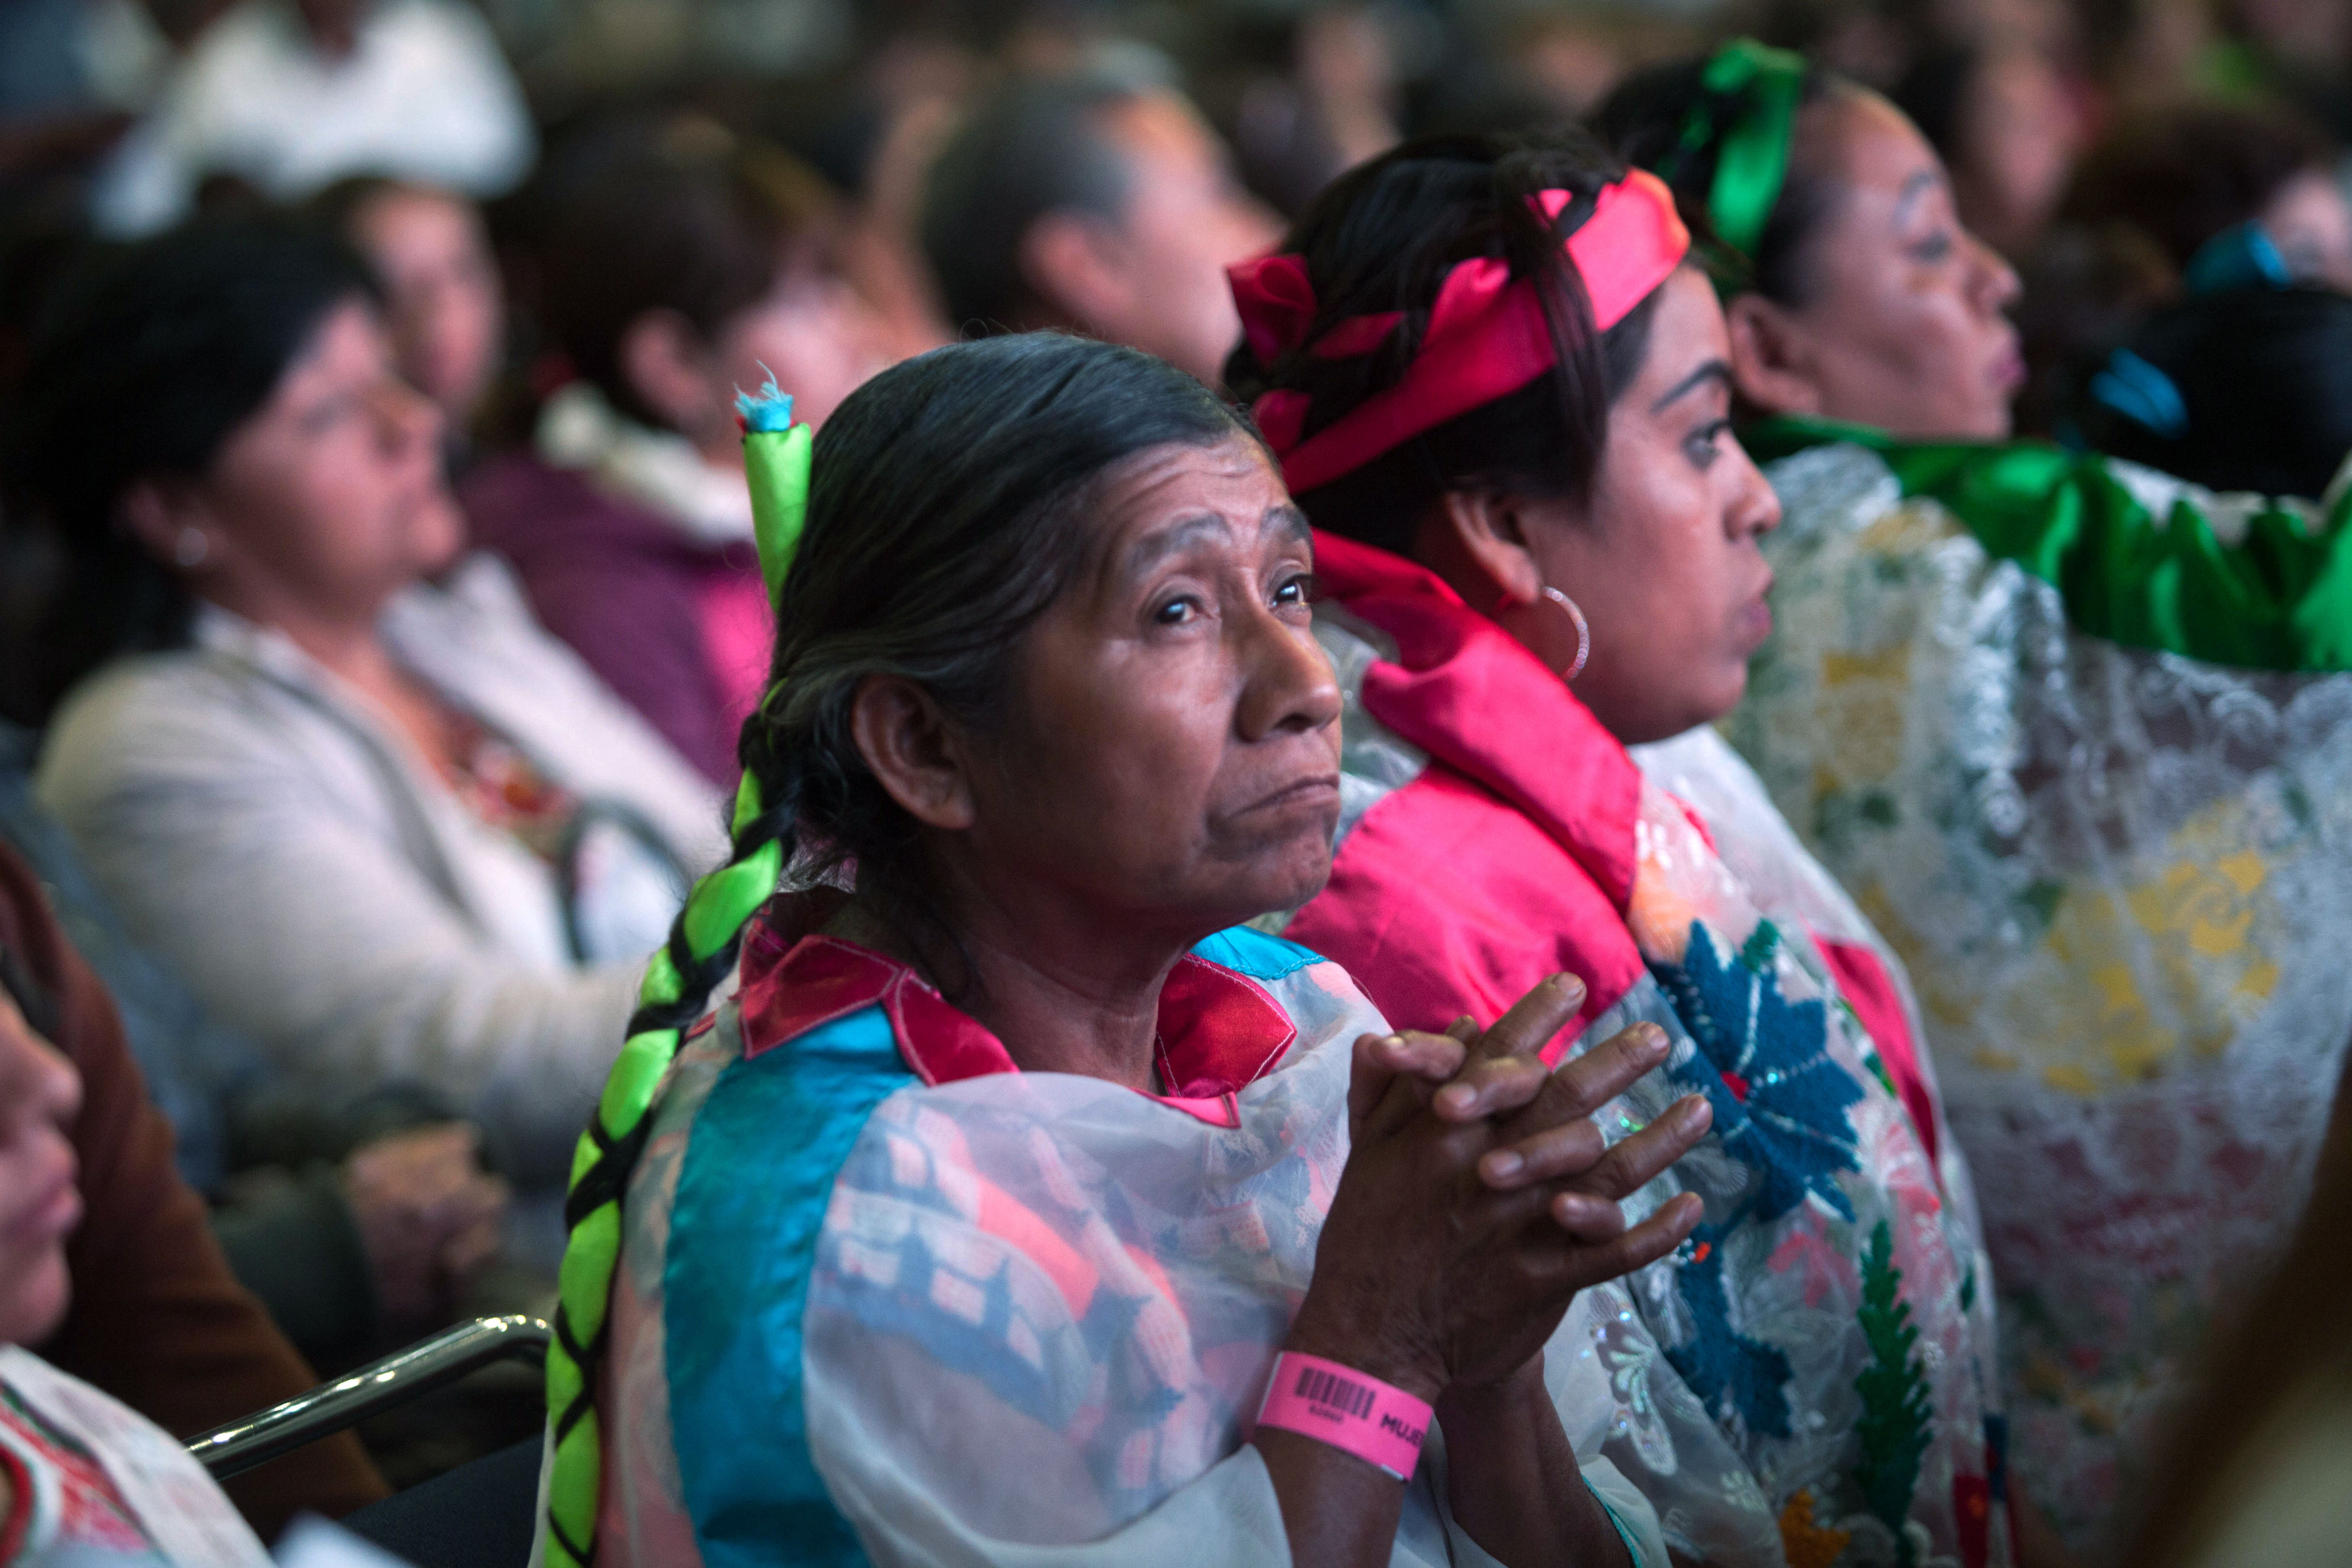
2278 599
776 455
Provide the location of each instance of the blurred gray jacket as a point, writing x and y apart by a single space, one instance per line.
284 848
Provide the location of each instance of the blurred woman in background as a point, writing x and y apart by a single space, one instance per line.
155 1319
443 304
2006 125
82 1477
2187 174
2065 727
675 266
386 828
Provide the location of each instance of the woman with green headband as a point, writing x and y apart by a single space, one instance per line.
1018 1203
1864 300
2072 733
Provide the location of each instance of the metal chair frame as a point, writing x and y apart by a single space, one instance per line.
380 1386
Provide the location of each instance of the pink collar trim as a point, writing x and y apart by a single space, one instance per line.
1456 675
1219 1031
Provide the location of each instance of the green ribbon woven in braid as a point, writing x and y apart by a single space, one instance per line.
776 465
776 455
1753 160
2276 594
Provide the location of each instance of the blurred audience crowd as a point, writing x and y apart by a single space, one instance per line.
379 608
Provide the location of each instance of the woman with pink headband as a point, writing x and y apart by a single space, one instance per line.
1500 391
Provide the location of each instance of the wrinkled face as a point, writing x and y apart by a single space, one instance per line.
1186 220
1173 754
444 305
329 499
39 1093
1905 328
2310 223
814 331
1665 560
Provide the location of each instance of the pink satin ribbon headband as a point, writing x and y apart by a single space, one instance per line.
1487 335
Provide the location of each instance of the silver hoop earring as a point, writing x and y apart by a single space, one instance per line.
1583 631
191 548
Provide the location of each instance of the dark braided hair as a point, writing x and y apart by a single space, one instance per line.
948 510
1643 122
1382 238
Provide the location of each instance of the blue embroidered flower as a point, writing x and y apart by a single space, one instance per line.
1781 1101
1724 1367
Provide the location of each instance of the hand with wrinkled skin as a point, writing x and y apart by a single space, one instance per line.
1478 1199
428 1219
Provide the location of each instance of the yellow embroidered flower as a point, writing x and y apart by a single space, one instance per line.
1809 1545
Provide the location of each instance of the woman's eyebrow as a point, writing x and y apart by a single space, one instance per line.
1174 538
1915 188
1714 370
1291 521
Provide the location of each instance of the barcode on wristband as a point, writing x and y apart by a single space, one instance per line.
1338 1392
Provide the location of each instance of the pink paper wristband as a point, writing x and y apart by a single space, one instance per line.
1339 1405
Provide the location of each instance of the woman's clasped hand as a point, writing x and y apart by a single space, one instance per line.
1480 1195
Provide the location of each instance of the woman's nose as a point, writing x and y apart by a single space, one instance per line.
1756 509
1289 684
406 416
38 1084
1997 286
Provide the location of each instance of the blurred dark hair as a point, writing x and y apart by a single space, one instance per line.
678 214
2083 292
2263 383
1643 124
1382 238
1038 146
141 367
2182 176
1935 92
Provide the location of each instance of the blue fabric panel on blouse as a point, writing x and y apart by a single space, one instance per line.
759 1166
1253 952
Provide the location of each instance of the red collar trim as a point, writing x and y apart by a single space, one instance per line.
1219 1031
1456 675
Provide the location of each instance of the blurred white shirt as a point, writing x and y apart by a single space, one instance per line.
425 95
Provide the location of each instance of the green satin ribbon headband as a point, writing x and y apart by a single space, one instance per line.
1752 136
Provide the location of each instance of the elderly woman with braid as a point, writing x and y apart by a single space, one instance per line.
2077 734
1019 1203
1499 388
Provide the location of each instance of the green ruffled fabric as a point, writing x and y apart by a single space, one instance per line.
2279 599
